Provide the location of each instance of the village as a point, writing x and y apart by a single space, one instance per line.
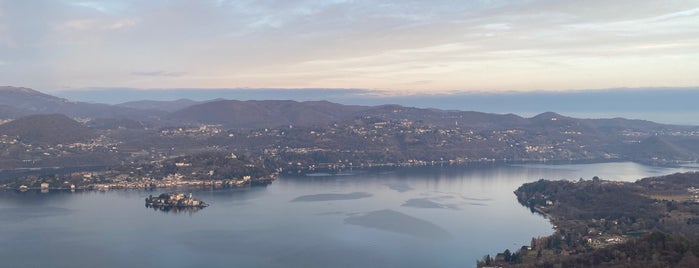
172 181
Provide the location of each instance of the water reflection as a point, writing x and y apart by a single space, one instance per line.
420 217
427 203
331 197
34 197
176 210
31 213
394 221
400 187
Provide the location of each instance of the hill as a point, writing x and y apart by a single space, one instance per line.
20 101
650 223
263 114
322 133
444 118
7 112
275 113
26 99
165 106
47 129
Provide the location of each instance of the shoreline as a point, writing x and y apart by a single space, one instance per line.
604 218
149 183
153 184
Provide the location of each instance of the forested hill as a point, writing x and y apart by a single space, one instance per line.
301 136
47 129
651 223
16 102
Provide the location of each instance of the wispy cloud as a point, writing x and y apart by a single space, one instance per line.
159 73
80 24
391 45
123 23
102 6
93 24
679 14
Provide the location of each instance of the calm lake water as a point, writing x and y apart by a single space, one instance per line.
418 217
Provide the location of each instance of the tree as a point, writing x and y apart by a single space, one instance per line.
508 255
688 260
487 260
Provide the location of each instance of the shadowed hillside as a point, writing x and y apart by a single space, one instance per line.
261 114
46 129
20 101
165 106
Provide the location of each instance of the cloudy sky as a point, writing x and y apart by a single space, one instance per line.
398 46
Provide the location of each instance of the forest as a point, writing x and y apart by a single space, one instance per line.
650 223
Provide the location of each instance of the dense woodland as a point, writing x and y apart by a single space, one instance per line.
653 222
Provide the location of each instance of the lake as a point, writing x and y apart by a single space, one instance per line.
413 217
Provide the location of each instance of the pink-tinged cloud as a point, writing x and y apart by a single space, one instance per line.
397 46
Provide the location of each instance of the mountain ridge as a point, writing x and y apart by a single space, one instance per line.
16 102
165 106
47 129
21 101
301 136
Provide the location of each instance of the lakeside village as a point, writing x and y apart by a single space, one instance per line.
209 156
102 181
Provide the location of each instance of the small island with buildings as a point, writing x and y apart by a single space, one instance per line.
168 201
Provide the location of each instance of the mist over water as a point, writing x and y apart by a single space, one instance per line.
417 217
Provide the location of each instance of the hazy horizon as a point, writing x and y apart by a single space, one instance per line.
663 105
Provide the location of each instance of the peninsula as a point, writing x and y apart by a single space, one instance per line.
653 222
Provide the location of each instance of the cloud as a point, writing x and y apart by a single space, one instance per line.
679 14
456 45
82 24
124 23
103 6
496 26
93 24
159 73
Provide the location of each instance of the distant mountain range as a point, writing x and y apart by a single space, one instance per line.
16 102
292 135
165 106
672 105
261 114
19 101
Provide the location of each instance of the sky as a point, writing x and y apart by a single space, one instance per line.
397 47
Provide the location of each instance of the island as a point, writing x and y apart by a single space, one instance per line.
653 222
174 200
